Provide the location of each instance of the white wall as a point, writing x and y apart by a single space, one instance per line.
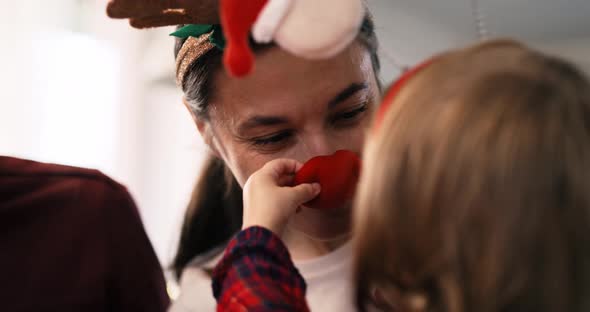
66 86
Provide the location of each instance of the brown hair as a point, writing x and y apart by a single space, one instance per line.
214 213
475 195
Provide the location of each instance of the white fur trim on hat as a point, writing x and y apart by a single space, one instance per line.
315 29
269 20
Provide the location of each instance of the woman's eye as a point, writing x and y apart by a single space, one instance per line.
275 139
350 116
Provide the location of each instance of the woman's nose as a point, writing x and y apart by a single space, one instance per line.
315 145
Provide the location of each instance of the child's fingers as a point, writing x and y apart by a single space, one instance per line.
281 167
286 180
304 192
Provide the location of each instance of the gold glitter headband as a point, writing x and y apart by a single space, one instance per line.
192 49
199 39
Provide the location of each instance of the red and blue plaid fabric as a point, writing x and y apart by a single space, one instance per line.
257 274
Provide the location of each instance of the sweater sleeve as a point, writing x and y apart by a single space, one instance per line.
137 282
257 274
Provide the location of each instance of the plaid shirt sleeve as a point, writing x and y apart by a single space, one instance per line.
257 274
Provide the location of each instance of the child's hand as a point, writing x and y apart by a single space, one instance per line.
269 201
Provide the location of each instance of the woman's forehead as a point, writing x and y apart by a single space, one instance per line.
281 82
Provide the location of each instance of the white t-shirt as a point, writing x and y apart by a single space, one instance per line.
328 280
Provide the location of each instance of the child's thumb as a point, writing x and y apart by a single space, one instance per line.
305 192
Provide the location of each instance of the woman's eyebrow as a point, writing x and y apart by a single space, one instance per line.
347 93
257 120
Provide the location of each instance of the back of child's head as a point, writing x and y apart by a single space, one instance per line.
475 194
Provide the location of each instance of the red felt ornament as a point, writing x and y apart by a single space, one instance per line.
337 174
237 19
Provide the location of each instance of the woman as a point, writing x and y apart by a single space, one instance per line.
473 197
287 108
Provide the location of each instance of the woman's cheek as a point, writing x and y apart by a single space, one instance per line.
352 139
249 162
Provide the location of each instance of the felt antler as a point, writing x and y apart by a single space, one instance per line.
157 13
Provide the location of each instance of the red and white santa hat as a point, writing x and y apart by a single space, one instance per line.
312 29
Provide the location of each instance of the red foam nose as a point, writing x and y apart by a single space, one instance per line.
337 174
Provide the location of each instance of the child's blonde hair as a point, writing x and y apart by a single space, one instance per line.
475 194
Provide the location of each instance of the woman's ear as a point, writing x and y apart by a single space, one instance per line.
204 128
190 111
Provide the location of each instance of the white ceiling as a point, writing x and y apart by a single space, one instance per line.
412 30
538 20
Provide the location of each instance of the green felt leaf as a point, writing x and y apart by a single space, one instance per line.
192 30
217 38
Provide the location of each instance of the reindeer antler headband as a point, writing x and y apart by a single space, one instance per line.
284 22
158 13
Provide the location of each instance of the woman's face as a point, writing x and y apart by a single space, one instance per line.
291 108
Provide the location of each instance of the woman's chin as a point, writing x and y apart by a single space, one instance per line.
339 210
